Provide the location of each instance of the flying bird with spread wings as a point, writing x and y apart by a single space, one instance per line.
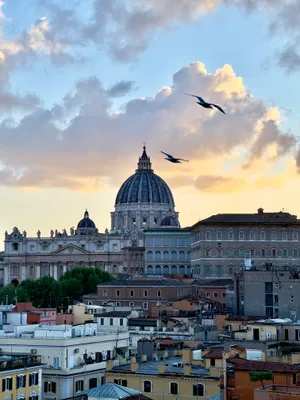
173 159
204 104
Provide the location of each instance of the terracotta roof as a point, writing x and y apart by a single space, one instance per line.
249 365
216 353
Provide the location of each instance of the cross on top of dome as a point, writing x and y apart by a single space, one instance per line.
144 162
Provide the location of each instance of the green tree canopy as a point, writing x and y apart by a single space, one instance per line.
10 294
71 291
43 292
88 277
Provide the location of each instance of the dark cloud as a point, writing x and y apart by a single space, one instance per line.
120 88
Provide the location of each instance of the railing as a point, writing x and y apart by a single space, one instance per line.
20 363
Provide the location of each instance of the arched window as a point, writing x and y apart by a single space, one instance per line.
147 386
274 252
157 255
173 388
181 255
174 269
166 269
174 255
150 269
198 390
165 255
230 252
157 270
181 270
149 255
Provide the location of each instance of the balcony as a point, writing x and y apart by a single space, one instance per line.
8 362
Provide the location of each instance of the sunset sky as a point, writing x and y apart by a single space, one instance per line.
83 84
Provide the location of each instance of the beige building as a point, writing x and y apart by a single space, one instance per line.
20 377
173 376
223 243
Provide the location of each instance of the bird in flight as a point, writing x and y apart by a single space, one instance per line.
173 159
204 104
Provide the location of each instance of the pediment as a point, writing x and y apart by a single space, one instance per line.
70 249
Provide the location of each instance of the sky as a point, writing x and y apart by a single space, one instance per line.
84 84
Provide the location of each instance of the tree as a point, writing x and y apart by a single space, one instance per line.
43 292
71 291
11 294
256 376
88 277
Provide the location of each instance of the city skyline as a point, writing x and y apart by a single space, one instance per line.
80 94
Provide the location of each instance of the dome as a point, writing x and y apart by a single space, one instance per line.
170 221
86 222
145 186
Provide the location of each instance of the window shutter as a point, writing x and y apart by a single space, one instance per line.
17 382
3 385
10 383
46 387
24 381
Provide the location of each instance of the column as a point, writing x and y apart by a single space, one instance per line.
6 274
138 219
23 272
55 271
64 269
126 220
37 271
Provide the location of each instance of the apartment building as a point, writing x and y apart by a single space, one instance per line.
74 357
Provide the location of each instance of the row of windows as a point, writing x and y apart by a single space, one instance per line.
158 270
242 235
167 241
7 382
166 255
51 387
209 270
111 322
242 252
198 389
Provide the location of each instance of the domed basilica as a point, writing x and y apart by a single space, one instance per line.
144 201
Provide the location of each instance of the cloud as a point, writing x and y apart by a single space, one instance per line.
80 143
218 184
120 88
125 29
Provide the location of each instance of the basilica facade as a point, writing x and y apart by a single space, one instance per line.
144 201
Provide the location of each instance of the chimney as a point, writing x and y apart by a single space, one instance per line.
134 365
186 356
187 369
260 211
161 368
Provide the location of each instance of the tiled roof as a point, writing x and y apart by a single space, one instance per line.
216 282
250 365
277 218
111 391
136 282
216 353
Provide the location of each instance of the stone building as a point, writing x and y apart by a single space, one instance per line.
143 201
224 243
167 249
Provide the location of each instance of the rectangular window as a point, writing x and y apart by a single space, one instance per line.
102 321
284 252
33 379
284 235
15 246
6 384
219 235
230 235
241 235
79 386
295 235
92 383
56 363
104 293
118 293
158 293
268 287
174 388
145 306
207 235
263 252
111 321
131 293
121 322
145 293
121 382
50 387
212 362
252 235
263 235
21 381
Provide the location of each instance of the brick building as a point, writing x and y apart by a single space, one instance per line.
142 293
